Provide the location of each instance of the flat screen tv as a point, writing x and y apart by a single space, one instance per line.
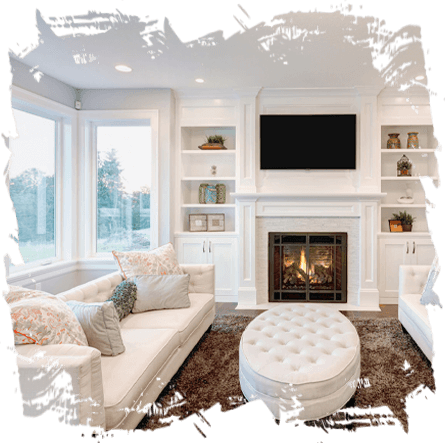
308 141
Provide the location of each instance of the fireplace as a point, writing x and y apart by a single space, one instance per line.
305 267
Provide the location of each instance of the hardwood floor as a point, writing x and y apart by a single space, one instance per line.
386 311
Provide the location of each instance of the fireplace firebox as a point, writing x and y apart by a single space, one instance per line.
308 267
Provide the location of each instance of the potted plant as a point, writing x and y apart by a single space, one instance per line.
214 142
407 220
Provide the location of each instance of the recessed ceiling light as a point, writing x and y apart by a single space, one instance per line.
123 68
199 80
420 77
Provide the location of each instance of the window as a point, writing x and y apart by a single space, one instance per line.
32 184
123 186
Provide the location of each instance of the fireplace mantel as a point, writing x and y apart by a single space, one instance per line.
321 210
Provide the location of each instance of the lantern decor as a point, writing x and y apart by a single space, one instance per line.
404 167
210 194
201 193
393 142
413 141
220 193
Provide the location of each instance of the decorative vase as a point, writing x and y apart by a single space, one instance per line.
393 142
210 194
413 141
201 193
407 228
220 193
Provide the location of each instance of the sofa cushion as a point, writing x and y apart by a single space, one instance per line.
100 323
158 261
127 375
185 321
124 297
161 292
428 295
45 320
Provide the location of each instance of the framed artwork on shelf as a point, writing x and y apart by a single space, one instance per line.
215 222
198 222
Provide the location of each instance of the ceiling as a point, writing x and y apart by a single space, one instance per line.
293 50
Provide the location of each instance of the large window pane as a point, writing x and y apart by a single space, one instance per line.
123 188
32 184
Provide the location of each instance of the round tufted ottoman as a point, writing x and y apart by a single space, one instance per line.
303 361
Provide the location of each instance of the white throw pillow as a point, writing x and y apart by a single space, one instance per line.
100 323
161 292
428 295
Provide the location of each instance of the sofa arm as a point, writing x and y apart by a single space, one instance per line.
202 278
45 375
412 278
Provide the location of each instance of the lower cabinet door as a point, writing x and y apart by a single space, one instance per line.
192 251
423 252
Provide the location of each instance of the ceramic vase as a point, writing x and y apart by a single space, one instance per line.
393 142
413 141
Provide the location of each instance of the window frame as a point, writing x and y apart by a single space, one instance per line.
63 118
88 123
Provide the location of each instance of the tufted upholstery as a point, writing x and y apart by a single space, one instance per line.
308 351
412 314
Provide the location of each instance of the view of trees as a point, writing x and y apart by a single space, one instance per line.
123 220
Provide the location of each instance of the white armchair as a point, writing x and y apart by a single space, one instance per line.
412 314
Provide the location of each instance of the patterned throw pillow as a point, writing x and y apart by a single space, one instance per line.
45 320
124 297
159 261
17 293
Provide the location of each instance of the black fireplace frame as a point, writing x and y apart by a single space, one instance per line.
282 239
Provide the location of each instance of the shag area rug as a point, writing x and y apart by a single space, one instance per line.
392 367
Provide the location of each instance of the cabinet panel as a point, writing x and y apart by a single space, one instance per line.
423 252
220 251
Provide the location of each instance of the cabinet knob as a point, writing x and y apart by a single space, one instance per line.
414 247
407 247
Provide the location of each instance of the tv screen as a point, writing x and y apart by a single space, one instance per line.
308 141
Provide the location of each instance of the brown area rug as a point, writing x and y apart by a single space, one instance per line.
210 376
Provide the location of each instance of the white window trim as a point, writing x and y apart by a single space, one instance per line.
88 120
66 121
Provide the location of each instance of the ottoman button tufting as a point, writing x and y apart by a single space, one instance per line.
323 371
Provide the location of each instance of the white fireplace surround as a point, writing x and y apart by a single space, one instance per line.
353 213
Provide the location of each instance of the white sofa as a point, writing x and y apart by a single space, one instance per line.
111 389
412 314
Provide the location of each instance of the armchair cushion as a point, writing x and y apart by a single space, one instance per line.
100 323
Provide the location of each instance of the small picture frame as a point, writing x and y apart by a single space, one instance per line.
215 222
395 226
198 222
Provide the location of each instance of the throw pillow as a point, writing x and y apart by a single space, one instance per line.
159 261
428 295
124 296
45 320
17 293
162 292
101 325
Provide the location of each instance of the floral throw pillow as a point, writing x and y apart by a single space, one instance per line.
45 320
17 293
124 297
159 261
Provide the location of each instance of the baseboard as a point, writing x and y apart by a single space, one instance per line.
247 296
226 298
389 300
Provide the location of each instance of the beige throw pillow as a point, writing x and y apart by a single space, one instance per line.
100 323
161 292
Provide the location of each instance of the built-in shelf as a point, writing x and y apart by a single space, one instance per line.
411 234
209 205
206 233
401 205
407 151
207 178
209 152
406 178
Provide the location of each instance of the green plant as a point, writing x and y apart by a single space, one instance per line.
406 219
215 139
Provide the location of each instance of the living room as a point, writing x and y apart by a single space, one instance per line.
66 80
